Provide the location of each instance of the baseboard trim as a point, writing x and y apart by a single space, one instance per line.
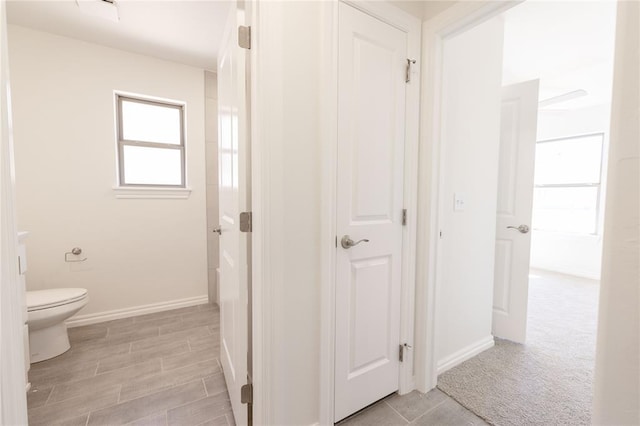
79 320
464 354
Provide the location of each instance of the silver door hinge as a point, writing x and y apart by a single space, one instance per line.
246 394
402 349
409 63
246 224
404 217
244 37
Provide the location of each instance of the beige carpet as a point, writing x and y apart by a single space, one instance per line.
548 380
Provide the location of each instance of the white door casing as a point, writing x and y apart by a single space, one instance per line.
372 58
515 202
233 151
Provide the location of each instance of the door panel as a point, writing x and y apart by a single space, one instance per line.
371 123
369 318
234 193
515 202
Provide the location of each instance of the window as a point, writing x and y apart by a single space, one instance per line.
151 146
567 184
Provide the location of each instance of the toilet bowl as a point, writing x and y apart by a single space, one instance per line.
46 312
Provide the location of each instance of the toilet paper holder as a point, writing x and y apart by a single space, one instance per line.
76 251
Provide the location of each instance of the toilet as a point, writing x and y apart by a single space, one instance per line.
47 311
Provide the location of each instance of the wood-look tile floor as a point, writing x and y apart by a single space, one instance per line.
435 408
155 369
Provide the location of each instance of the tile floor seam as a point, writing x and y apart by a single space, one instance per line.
49 396
433 408
186 403
218 393
397 412
205 387
152 393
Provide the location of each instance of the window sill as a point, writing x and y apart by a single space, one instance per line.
140 192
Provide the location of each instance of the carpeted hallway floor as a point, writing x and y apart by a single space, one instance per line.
548 380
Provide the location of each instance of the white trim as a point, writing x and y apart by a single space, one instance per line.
411 25
266 118
465 353
328 155
80 320
458 18
133 192
150 98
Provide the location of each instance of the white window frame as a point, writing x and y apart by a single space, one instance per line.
596 229
130 190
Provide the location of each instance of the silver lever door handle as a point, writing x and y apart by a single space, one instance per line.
347 242
522 228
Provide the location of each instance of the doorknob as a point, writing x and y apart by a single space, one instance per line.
217 230
522 228
347 242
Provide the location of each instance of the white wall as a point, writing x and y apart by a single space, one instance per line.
573 254
140 251
211 153
297 299
617 374
287 184
470 142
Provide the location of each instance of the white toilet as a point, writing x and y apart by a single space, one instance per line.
47 311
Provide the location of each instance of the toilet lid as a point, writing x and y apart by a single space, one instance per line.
43 299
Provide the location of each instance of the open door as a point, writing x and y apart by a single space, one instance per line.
234 200
515 201
13 399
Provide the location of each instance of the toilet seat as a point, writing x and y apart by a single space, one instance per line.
45 299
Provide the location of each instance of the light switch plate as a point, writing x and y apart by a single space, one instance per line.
459 201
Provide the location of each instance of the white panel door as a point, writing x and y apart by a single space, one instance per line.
233 146
371 131
13 401
515 202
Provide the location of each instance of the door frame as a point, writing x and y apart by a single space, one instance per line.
437 31
329 112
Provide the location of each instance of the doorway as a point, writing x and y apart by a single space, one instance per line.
372 194
553 104
571 136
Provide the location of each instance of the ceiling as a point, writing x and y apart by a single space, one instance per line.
183 31
567 44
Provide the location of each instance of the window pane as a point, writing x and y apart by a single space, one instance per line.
152 166
575 160
565 209
150 123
